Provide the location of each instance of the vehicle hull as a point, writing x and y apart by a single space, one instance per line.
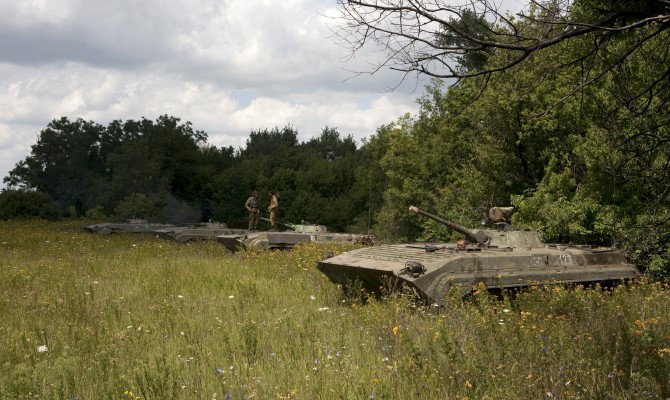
439 267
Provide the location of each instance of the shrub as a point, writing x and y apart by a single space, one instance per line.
22 204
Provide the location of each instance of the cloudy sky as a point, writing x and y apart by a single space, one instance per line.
227 66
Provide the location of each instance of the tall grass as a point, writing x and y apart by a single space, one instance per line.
127 316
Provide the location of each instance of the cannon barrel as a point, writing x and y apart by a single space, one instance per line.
473 235
288 225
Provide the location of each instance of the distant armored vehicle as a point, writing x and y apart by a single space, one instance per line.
133 225
296 233
498 258
197 231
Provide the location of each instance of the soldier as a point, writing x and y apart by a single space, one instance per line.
252 206
274 205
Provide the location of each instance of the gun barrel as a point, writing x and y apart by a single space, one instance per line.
475 236
290 226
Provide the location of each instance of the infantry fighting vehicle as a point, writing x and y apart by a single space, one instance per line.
295 233
498 258
132 225
197 231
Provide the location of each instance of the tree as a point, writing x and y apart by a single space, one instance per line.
330 146
65 163
449 40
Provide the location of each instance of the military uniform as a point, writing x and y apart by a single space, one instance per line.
252 206
274 206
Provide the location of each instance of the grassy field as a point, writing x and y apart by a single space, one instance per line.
84 316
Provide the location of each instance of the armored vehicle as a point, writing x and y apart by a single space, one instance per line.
295 233
133 225
498 258
197 231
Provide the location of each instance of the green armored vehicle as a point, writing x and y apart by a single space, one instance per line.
132 225
295 234
498 258
196 231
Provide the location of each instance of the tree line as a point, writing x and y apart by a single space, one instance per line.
576 137
165 171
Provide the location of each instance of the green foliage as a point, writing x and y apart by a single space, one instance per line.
659 266
21 204
139 205
96 213
461 32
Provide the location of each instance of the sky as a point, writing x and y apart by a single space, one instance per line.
229 67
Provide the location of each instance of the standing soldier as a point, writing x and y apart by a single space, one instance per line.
274 205
252 206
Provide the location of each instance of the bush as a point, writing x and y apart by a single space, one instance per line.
138 205
23 204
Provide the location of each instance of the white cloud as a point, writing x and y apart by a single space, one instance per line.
229 67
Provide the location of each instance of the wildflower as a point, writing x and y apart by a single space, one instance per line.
231 297
468 385
312 297
227 396
505 310
610 375
219 370
42 349
395 330
180 296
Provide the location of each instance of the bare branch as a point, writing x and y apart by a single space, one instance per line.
411 33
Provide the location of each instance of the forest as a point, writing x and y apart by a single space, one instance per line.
576 137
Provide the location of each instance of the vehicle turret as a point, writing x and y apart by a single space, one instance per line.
304 227
474 236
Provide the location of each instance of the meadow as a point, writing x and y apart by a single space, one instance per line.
133 316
